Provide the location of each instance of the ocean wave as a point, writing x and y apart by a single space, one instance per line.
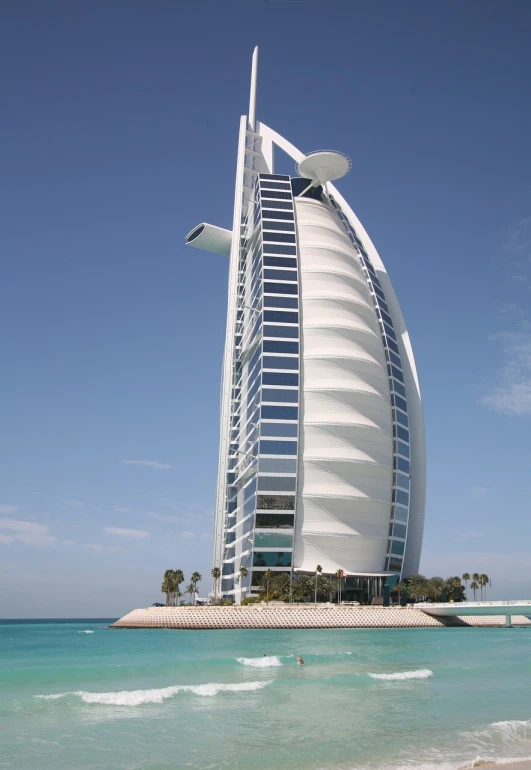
139 697
85 632
509 731
267 661
421 673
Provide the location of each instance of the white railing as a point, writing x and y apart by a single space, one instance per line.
501 603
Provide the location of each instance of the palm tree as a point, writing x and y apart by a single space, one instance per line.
303 587
474 585
417 587
216 574
339 576
466 578
179 578
167 586
280 583
318 571
244 571
266 580
399 587
195 579
190 589
483 582
323 585
434 588
176 596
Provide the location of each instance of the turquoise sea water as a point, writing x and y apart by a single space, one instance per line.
80 696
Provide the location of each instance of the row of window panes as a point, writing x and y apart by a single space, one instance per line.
280 378
278 447
272 559
281 331
277 465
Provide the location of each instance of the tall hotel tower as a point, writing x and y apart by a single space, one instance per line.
322 453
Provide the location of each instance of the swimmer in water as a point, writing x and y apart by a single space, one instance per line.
300 660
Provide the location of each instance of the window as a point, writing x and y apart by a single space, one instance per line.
386 317
278 205
402 465
402 449
228 569
277 215
279 195
399 387
272 559
280 316
280 413
400 514
400 496
399 530
402 481
397 373
401 418
389 331
273 540
383 305
272 248
276 503
280 262
274 346
392 345
273 185
278 448
274 520
395 359
291 302
397 547
280 362
279 395
277 465
280 275
280 378
278 237
278 429
378 291
400 402
401 432
289 226
281 331
274 177
276 483
281 288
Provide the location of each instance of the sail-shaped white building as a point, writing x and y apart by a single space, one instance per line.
322 450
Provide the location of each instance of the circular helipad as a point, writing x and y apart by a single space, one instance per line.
324 166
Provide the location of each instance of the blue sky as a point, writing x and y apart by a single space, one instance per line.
118 135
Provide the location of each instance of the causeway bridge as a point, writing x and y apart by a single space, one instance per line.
463 609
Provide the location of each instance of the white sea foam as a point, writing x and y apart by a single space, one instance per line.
267 661
85 632
509 731
421 673
139 697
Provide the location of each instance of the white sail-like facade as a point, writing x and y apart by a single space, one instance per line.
322 453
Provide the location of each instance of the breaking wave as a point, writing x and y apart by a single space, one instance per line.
267 661
421 673
139 697
85 632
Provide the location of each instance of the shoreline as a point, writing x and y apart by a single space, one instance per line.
300 616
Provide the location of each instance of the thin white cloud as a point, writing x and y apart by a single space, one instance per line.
162 517
149 464
6 509
130 533
27 532
205 536
477 492
462 536
119 509
98 547
69 503
512 393
189 535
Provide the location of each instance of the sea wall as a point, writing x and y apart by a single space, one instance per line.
297 616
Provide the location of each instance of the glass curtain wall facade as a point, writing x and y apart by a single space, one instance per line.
262 463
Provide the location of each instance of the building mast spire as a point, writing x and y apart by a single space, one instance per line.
252 97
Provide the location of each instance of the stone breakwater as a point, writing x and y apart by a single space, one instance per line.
298 616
